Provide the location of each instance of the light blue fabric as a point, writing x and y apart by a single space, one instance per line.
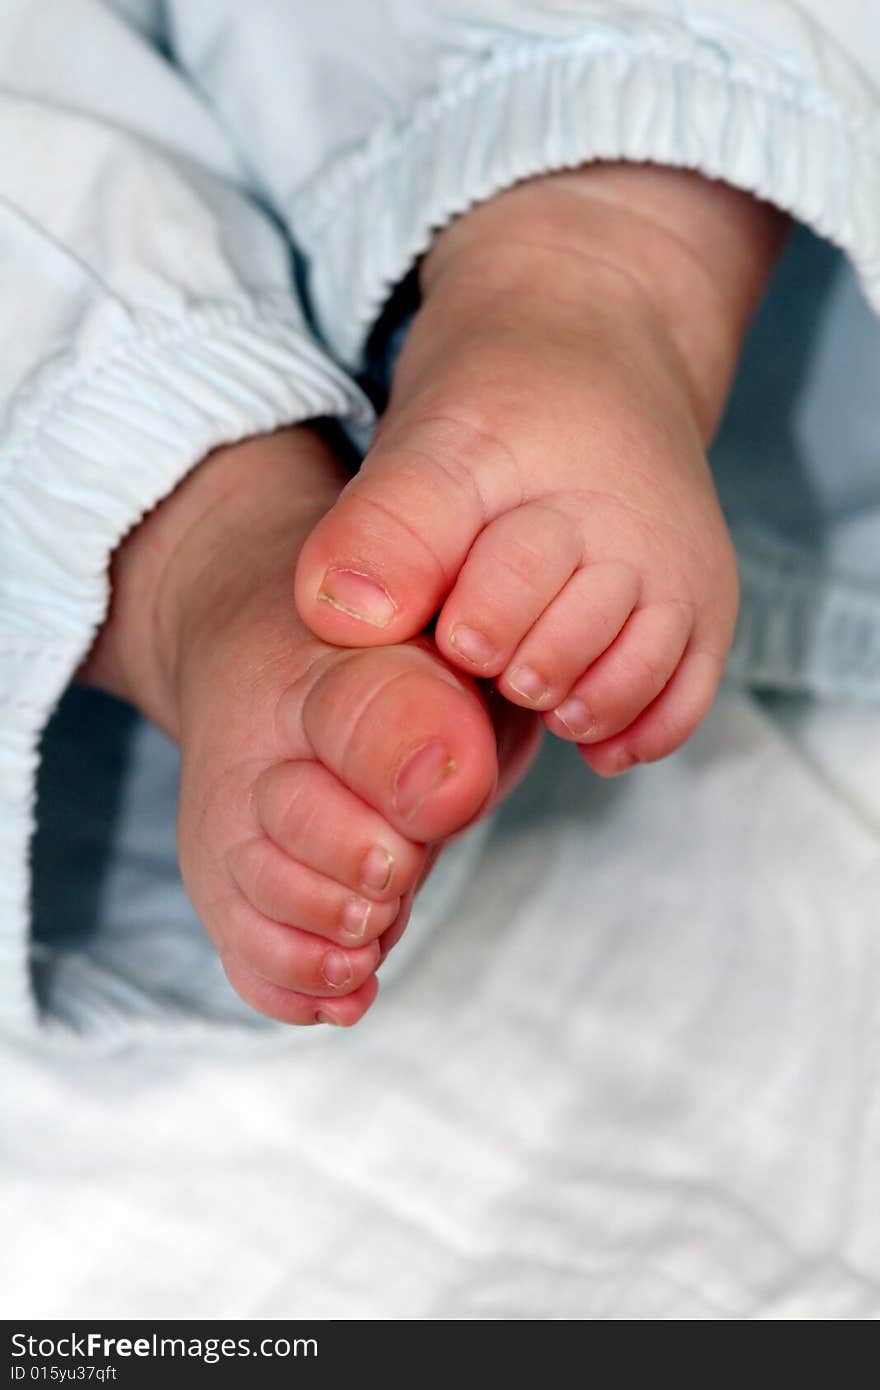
161 161
797 462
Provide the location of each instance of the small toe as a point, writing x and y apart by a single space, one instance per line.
294 959
289 1006
627 677
307 812
515 568
292 894
577 627
667 722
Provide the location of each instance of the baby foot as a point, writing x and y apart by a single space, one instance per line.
540 474
313 779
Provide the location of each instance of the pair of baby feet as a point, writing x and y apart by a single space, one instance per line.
539 481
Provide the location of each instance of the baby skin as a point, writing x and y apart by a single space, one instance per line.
316 783
539 478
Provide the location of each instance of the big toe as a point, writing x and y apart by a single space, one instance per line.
379 564
410 737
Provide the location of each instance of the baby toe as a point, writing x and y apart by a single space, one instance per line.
667 722
377 567
286 891
307 812
403 733
295 959
627 677
289 1006
570 634
516 567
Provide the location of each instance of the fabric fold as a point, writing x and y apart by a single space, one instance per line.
127 429
648 91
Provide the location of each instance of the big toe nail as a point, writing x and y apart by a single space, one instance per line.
358 595
420 775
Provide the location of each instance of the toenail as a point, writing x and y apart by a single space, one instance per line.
623 762
322 1017
336 969
378 869
574 714
357 595
474 646
526 681
421 774
355 916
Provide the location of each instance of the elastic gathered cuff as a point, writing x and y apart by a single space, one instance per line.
650 93
87 454
801 630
